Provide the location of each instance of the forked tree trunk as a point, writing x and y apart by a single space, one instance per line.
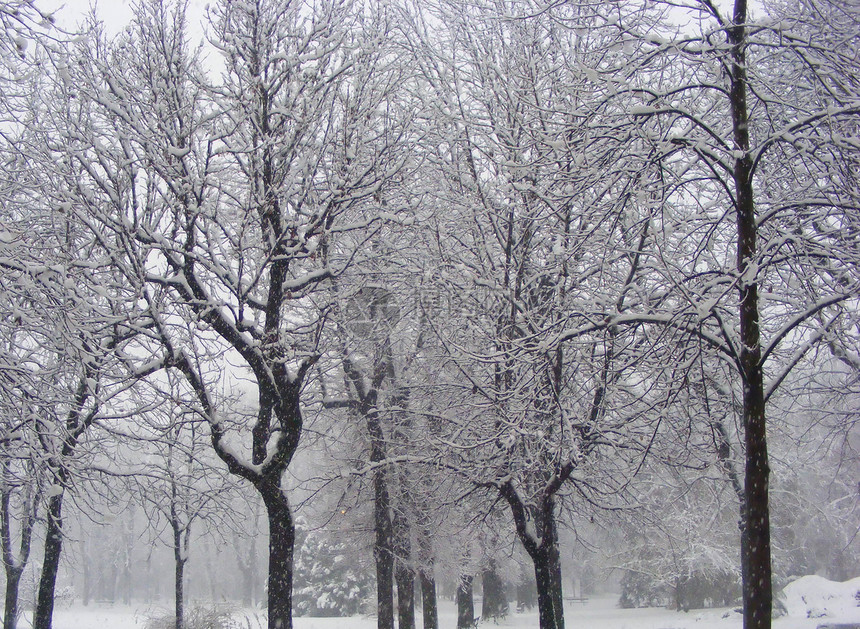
538 533
14 566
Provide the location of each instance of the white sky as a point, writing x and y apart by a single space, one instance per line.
115 14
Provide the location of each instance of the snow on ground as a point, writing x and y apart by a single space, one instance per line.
814 597
810 601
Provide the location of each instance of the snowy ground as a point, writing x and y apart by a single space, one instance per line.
810 601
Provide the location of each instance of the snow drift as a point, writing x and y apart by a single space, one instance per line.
816 597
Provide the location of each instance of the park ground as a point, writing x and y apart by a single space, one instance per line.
809 603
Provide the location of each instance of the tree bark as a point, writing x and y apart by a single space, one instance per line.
14 566
538 533
495 602
755 533
178 577
179 611
429 608
405 596
465 603
549 589
281 545
43 616
13 581
384 572
383 550
403 573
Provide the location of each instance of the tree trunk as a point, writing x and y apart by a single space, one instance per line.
403 574
383 550
495 602
755 538
465 603
179 576
179 599
281 542
43 616
430 611
405 596
384 583
13 580
549 592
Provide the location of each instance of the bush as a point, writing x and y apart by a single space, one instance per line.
717 589
641 590
198 617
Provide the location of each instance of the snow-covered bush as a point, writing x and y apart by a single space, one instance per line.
198 617
696 591
327 580
641 590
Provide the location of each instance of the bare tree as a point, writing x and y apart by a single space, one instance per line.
753 162
220 202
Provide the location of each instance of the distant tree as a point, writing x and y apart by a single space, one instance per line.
179 487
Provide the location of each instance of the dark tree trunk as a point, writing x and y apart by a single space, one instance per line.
426 561
430 610
10 613
549 592
178 591
281 542
405 596
383 549
384 568
542 546
43 616
465 603
403 574
495 602
178 577
755 535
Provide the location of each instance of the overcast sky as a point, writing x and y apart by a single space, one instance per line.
114 13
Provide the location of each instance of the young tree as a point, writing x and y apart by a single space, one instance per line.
178 486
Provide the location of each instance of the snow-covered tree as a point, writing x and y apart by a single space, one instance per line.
329 580
546 212
221 200
756 241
